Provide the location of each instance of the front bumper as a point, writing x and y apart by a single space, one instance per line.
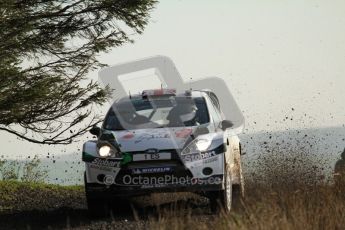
96 190
109 177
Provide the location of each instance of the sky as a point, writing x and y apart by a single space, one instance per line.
275 55
283 60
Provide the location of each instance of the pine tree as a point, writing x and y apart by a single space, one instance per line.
47 47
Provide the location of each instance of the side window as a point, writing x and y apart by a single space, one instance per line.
216 118
215 103
214 100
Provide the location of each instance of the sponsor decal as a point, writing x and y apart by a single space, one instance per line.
198 156
208 154
128 136
183 133
103 168
104 162
154 186
210 160
149 136
126 158
151 170
158 92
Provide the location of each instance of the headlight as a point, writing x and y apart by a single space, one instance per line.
107 151
203 144
197 146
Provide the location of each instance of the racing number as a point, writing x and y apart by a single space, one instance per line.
154 156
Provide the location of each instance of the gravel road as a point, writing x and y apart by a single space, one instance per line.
74 215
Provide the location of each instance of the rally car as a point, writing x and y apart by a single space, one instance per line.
163 141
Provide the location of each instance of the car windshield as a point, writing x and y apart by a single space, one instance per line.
157 113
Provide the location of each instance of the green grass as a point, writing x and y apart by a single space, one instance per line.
307 208
279 206
18 196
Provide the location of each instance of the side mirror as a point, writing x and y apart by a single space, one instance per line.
226 124
95 130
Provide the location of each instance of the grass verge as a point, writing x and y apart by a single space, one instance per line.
21 196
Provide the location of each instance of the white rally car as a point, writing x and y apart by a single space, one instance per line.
161 141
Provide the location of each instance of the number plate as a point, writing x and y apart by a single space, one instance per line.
151 156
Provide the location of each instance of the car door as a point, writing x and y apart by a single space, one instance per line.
228 137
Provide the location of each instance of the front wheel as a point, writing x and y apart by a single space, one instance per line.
104 207
97 207
222 200
238 190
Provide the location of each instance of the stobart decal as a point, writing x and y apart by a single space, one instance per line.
104 162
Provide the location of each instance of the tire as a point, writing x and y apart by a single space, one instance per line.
242 182
97 208
237 198
222 200
238 191
121 206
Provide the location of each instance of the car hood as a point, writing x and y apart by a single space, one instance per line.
158 138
